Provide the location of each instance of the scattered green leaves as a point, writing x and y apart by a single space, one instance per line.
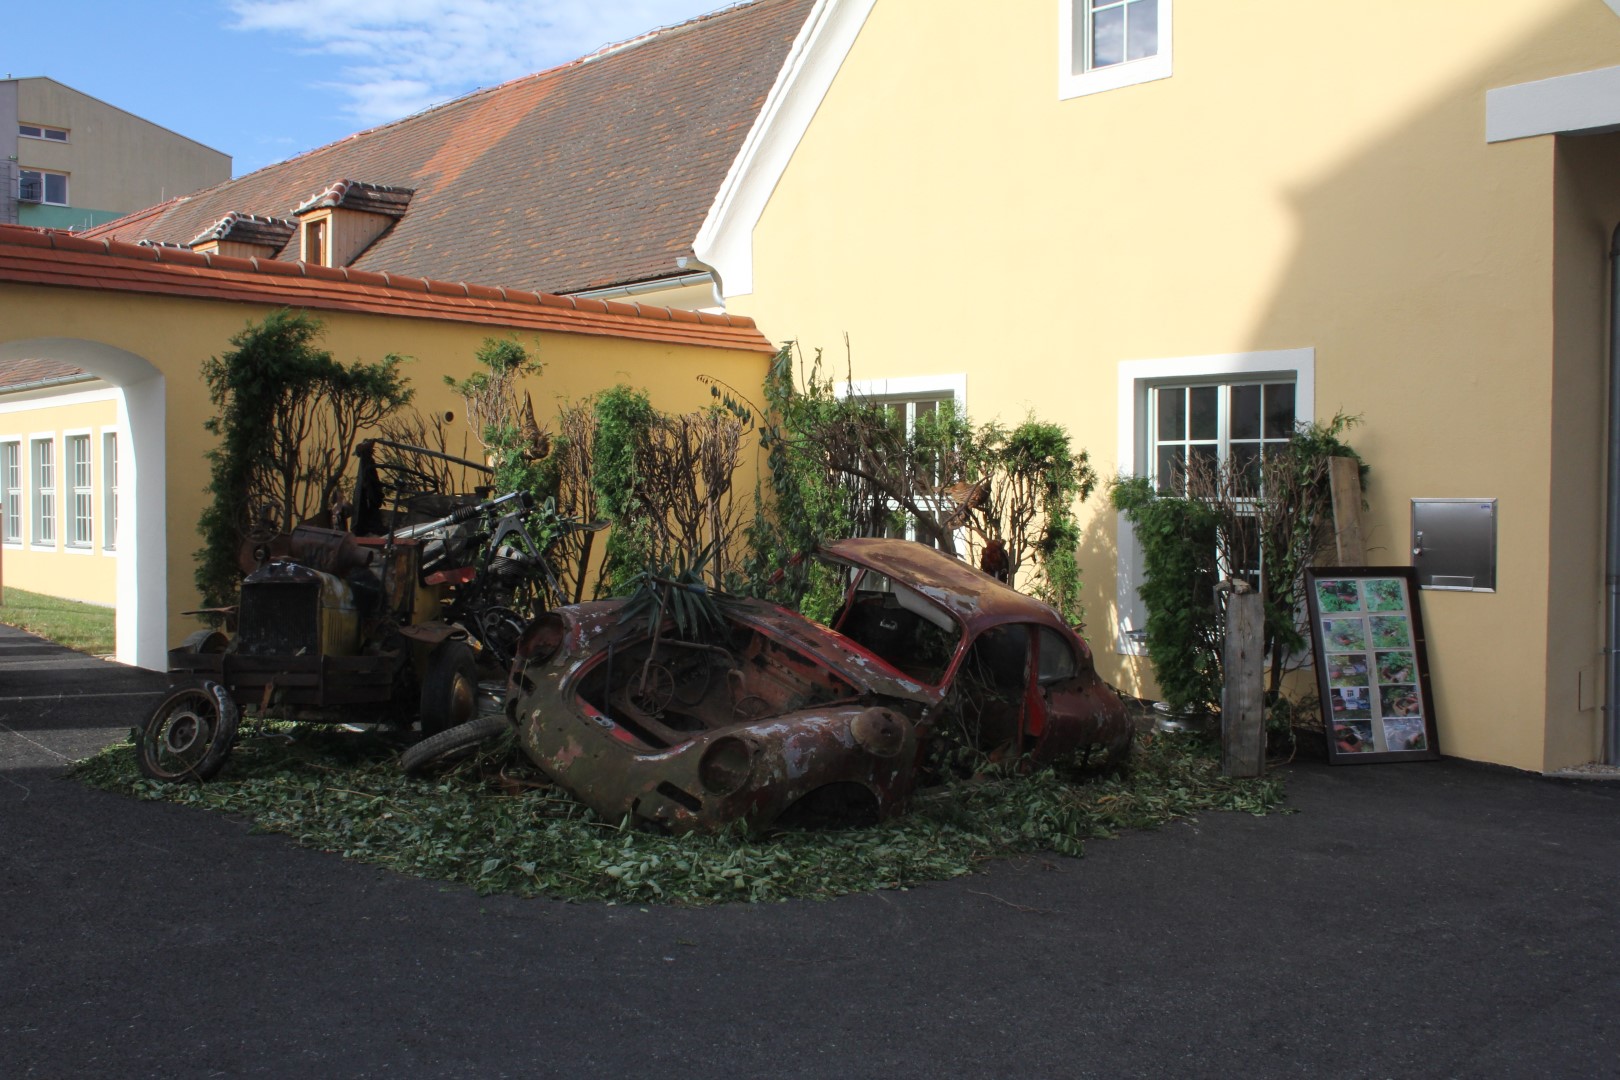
495 825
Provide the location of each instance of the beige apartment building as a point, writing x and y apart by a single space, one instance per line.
72 161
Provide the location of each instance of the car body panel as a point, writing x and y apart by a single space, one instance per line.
771 711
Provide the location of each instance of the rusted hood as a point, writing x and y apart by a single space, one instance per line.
598 623
965 593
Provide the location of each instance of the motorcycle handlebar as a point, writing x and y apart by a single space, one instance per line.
465 513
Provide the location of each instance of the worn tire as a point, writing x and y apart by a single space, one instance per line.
449 687
189 734
420 756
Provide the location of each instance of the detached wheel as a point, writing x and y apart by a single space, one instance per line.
436 747
449 687
189 733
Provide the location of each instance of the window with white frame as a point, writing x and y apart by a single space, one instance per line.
11 477
907 411
1215 410
81 479
38 186
109 490
40 131
908 400
42 454
1226 426
1107 44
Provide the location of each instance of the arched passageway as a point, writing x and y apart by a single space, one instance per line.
142 594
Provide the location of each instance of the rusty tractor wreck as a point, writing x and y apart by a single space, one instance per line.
333 626
770 718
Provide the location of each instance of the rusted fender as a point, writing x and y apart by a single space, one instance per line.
749 772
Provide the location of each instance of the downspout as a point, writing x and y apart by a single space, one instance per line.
1611 651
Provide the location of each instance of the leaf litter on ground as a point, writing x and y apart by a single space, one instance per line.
494 823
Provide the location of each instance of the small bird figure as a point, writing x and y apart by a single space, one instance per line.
993 560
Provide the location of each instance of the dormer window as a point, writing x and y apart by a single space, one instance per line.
312 243
339 224
245 236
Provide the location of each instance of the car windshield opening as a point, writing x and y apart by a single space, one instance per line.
896 623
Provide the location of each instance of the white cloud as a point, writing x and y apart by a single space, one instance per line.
396 57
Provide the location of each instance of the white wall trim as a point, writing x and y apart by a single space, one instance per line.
1114 76
725 242
910 386
45 399
1588 101
1135 379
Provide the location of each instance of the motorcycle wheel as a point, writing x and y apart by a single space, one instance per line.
418 757
189 734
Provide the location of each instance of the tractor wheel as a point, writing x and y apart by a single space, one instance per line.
189 733
449 687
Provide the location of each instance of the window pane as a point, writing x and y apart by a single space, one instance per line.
1244 404
1142 29
56 189
1107 37
1246 466
1206 414
1202 464
1279 410
1056 657
56 133
1172 403
1171 466
30 129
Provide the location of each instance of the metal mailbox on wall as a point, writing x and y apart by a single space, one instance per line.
1454 544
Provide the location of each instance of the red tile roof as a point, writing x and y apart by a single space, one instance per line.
17 374
72 260
592 174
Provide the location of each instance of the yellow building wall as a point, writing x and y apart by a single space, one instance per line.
1586 210
176 335
57 567
115 160
1309 177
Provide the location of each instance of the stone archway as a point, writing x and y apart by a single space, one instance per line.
142 601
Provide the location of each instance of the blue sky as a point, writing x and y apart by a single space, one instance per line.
263 80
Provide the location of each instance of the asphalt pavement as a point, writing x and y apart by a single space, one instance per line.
1439 919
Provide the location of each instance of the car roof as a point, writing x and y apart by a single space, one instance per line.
967 593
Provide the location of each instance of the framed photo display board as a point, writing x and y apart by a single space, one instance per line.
1372 670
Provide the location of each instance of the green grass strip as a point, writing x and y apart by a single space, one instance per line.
85 627
494 824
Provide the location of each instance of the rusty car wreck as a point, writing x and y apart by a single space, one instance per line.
769 718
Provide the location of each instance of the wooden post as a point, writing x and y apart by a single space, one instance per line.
1243 697
1345 475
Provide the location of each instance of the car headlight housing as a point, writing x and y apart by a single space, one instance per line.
726 765
879 731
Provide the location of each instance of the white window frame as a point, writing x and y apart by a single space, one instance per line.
43 481
109 491
42 131
1076 79
11 491
1137 379
44 188
909 390
79 529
